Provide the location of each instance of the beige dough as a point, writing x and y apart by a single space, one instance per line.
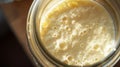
78 32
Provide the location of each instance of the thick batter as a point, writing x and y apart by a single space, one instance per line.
78 32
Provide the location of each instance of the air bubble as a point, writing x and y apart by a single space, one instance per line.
68 29
85 31
82 33
63 46
55 27
70 58
96 47
96 59
64 18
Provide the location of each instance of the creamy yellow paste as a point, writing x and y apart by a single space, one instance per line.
78 32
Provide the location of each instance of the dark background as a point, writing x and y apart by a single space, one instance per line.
11 52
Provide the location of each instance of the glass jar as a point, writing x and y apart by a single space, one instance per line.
41 57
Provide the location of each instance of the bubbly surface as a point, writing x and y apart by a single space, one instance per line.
78 32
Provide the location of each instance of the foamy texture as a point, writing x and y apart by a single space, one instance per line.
79 32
